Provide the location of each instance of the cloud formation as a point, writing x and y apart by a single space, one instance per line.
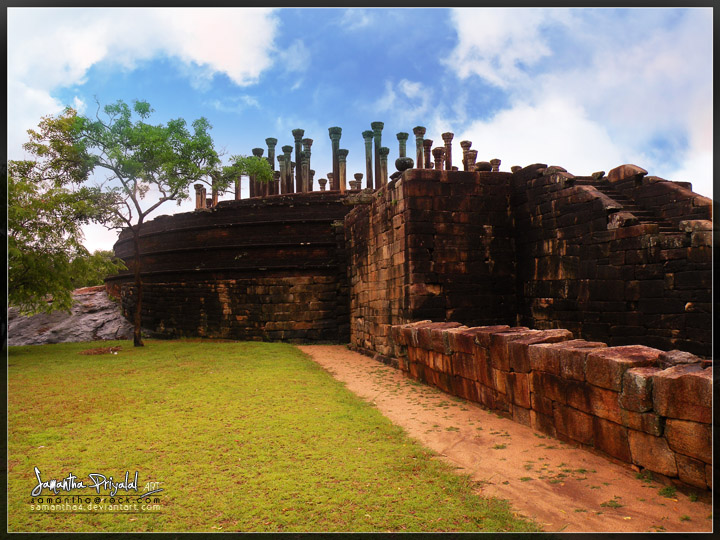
55 47
643 77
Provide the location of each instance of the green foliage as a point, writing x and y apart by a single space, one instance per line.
140 157
254 166
668 492
47 206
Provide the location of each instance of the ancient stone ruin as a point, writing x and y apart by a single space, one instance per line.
562 301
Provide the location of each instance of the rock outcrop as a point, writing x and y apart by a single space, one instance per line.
94 316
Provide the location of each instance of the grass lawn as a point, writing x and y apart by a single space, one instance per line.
241 436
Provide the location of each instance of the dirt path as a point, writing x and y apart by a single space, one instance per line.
561 487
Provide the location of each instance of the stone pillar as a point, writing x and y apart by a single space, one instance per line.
419 132
470 160
260 187
199 196
465 145
330 181
427 145
305 167
377 128
358 181
342 162
439 155
322 183
287 178
282 184
310 181
297 134
238 194
515 168
447 138
368 136
292 175
335 133
383 151
214 192
495 165
271 144
307 182
275 183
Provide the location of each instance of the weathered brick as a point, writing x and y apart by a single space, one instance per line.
648 422
461 340
594 400
548 386
517 386
518 349
543 422
636 392
520 414
684 392
566 358
464 365
690 438
691 471
483 334
499 354
652 453
611 438
541 403
572 423
606 367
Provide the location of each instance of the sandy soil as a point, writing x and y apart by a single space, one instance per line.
561 487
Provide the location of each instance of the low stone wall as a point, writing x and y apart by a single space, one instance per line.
635 404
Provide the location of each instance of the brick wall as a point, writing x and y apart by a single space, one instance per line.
585 265
431 244
635 404
271 269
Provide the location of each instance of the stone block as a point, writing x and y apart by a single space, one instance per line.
499 353
520 414
612 439
483 334
684 392
605 368
690 438
636 394
675 357
517 386
574 424
543 422
464 365
460 340
708 476
541 404
652 453
648 422
566 358
548 386
691 471
519 349
594 400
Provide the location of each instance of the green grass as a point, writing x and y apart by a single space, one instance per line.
242 437
668 491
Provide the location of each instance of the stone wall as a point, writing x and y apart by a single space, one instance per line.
430 244
634 403
257 269
609 270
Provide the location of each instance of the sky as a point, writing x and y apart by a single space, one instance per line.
585 89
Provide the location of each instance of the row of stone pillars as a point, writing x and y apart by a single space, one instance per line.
291 178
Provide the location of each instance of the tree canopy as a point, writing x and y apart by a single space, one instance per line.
47 207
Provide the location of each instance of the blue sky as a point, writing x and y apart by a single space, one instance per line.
587 89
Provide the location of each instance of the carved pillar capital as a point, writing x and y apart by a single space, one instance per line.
438 153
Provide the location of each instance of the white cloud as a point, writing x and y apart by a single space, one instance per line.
636 87
407 101
236 104
554 132
49 48
355 19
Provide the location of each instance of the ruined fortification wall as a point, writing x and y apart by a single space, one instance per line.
636 404
259 269
430 245
587 264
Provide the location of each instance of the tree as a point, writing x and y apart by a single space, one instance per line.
164 159
47 206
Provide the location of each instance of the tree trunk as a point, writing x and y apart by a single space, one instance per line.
137 336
